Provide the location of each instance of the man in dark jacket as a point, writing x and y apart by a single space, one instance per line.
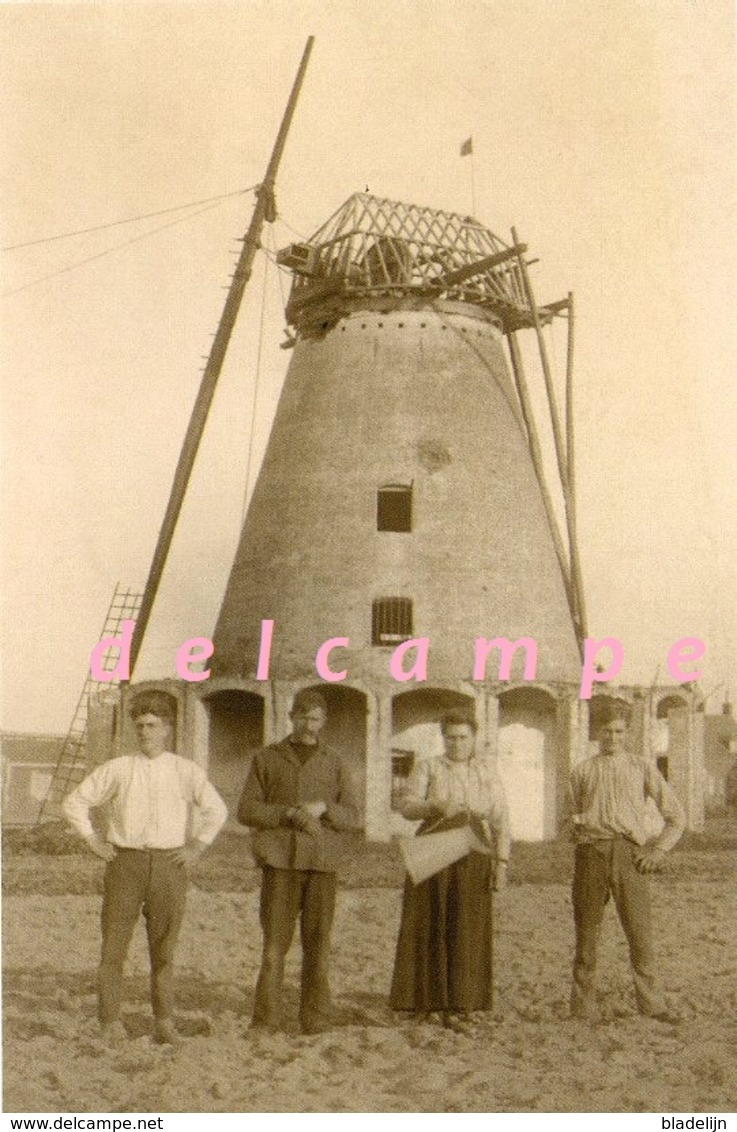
296 797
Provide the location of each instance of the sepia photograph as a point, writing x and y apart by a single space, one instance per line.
368 575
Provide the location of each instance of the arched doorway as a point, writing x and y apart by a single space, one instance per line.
415 717
236 731
345 731
670 733
527 761
677 757
416 735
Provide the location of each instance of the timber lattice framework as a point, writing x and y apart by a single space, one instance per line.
380 254
373 248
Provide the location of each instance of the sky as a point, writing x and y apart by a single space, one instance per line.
603 132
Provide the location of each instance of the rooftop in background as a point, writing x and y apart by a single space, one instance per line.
28 762
721 729
374 249
29 747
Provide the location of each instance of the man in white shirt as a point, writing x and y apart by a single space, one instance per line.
151 796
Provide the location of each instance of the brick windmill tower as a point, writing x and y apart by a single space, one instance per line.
402 508
402 496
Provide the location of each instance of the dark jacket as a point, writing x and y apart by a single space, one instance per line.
277 782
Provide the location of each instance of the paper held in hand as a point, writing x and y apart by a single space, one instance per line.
426 855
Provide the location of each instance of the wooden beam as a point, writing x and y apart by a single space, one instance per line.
263 212
576 575
557 307
560 451
549 387
481 265
537 463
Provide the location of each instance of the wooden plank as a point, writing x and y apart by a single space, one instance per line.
481 266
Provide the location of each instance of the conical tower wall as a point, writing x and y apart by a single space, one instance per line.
420 398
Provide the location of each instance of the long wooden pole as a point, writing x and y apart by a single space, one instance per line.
560 450
576 576
537 463
264 211
549 387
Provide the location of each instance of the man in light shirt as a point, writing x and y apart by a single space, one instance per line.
151 796
614 854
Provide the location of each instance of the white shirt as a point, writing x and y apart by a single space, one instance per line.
149 800
609 794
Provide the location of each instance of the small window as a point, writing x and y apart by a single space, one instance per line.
394 508
391 620
662 763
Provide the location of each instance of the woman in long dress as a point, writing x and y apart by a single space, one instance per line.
444 950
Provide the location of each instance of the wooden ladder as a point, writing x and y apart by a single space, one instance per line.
72 762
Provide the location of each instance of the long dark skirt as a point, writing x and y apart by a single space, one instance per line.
444 959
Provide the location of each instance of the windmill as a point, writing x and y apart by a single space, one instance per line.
402 495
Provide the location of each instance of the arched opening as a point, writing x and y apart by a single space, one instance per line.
416 734
670 731
527 761
416 714
345 731
236 731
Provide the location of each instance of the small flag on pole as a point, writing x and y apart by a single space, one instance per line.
467 147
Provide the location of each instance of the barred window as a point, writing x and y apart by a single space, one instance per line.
391 620
394 508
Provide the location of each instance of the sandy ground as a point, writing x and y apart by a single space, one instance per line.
528 1057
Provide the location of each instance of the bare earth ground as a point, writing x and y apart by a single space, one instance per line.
528 1057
